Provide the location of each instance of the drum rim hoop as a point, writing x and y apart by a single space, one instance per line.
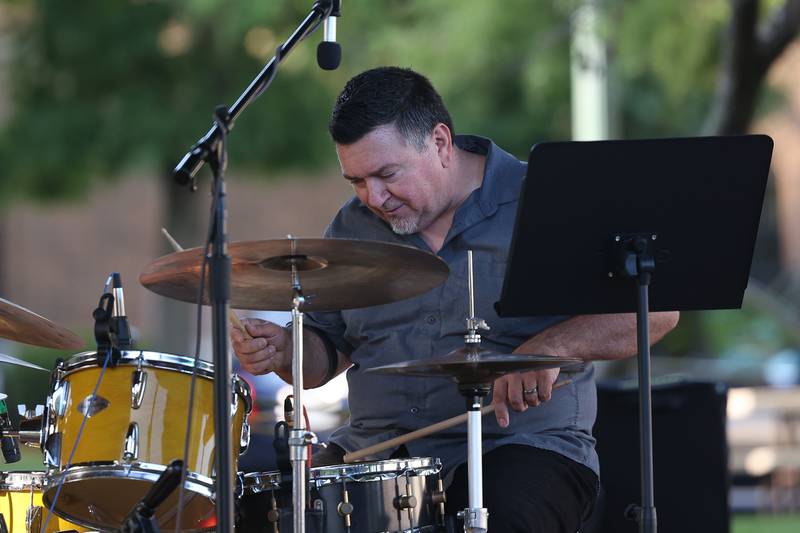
113 469
31 479
202 485
323 475
386 466
161 360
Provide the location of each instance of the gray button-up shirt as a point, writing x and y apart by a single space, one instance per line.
433 324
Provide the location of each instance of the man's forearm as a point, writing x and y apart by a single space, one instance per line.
593 337
315 360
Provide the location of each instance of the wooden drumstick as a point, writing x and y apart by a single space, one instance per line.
233 317
424 432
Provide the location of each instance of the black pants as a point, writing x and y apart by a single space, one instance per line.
529 490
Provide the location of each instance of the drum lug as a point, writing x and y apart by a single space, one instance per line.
274 515
130 451
244 439
33 519
45 425
345 508
240 388
405 501
52 450
58 400
438 497
138 386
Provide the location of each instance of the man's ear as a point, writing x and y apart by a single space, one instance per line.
443 141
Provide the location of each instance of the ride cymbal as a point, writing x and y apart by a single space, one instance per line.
474 365
21 325
334 273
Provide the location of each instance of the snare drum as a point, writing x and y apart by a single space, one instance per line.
136 427
21 505
397 495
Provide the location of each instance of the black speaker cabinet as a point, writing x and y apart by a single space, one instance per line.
690 456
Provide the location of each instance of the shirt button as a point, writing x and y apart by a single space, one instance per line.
430 319
415 410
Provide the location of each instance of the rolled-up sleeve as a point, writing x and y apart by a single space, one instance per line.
332 325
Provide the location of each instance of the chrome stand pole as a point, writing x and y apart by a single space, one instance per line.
475 517
299 436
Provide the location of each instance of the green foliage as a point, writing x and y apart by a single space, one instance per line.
101 85
755 523
666 56
742 332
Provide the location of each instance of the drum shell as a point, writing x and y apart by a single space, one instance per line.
102 463
374 497
20 490
163 410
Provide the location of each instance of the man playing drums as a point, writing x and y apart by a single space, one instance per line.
418 184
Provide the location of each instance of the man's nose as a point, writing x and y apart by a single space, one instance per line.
376 193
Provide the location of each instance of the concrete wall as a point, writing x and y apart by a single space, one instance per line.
55 258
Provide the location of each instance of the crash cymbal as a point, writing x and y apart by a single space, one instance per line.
474 365
334 273
21 325
19 362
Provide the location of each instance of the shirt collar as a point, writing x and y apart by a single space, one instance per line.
502 175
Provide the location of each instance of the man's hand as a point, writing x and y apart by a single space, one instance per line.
525 389
520 390
269 351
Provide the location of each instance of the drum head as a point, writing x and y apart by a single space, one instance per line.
102 497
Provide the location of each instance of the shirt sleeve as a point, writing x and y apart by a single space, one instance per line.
332 325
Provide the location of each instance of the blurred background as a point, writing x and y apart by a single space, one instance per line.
100 98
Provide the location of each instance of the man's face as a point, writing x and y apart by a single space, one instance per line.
394 179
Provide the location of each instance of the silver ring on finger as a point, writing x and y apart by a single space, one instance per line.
533 391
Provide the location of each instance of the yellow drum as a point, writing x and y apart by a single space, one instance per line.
136 426
21 505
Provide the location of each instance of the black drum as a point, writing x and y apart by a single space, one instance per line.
398 495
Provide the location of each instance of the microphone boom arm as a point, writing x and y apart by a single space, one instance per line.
186 170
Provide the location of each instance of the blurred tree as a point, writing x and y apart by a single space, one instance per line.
100 87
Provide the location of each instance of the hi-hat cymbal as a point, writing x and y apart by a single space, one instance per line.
19 362
21 325
334 273
474 365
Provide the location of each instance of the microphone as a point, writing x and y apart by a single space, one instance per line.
329 52
119 329
8 445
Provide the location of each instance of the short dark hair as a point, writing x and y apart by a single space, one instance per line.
388 95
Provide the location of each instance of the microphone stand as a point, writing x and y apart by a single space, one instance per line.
211 149
142 518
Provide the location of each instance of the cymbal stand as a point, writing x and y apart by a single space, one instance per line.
211 149
476 516
299 436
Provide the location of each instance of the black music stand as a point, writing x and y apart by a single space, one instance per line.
600 223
